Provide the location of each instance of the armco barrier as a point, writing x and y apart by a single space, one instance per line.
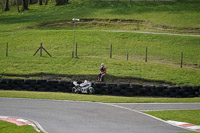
102 88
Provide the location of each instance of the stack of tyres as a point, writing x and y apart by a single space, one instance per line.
5 84
52 85
110 88
180 92
124 89
99 87
135 89
41 85
146 90
196 91
129 92
17 84
116 91
29 85
173 91
104 90
64 86
188 91
199 91
160 90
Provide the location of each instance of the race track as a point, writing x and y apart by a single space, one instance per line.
83 117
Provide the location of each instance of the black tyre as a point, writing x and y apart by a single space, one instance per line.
99 84
123 92
41 81
124 86
104 92
61 88
75 90
129 94
91 91
30 81
136 86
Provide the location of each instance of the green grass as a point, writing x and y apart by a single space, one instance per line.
94 98
93 45
173 14
6 127
94 48
189 116
186 132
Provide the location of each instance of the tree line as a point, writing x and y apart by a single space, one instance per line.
5 4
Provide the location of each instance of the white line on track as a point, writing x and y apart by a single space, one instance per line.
156 118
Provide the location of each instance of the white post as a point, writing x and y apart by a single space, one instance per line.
74 19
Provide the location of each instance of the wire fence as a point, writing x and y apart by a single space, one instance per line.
136 53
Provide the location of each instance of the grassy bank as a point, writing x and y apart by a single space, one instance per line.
6 127
183 14
94 98
93 48
23 32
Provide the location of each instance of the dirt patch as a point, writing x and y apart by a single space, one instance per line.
123 24
93 78
111 20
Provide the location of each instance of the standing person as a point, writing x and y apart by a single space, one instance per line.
102 72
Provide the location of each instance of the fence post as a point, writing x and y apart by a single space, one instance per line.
181 59
146 55
127 55
7 50
76 50
41 49
111 51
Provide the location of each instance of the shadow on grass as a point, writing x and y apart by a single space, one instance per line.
108 78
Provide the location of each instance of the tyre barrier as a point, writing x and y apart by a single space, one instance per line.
102 88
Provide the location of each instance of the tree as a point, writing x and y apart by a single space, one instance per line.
61 2
40 2
7 6
17 2
24 5
46 2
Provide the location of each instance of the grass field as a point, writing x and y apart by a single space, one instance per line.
6 127
94 98
184 14
94 49
25 30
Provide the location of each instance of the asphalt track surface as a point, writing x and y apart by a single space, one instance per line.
57 116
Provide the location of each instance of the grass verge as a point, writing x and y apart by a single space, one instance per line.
189 116
94 98
6 127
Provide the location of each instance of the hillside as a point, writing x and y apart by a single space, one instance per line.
182 15
102 24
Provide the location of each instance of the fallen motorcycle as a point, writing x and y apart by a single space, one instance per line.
83 88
